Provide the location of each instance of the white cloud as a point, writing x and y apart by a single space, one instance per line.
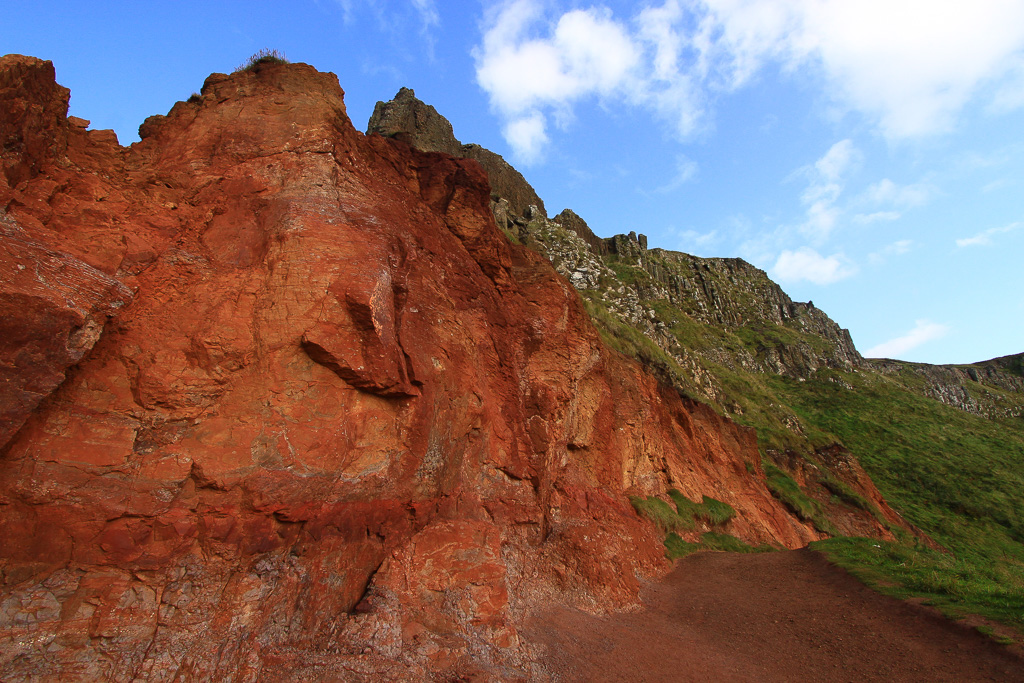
428 12
1010 95
900 196
429 20
395 19
984 238
998 184
584 53
909 66
876 217
695 241
893 199
807 264
824 188
895 249
924 331
686 169
837 160
527 136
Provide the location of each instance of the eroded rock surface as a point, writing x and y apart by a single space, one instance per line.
411 120
320 419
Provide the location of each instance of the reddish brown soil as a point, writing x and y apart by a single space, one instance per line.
785 616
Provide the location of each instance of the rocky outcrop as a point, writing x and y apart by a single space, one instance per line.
331 423
569 220
654 291
408 119
415 123
992 388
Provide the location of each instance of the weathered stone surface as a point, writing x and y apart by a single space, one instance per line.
415 123
410 120
989 388
343 428
52 310
568 219
32 121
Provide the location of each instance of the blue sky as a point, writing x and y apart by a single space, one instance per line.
868 155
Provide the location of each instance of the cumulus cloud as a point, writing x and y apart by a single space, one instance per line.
984 238
807 264
924 331
908 65
526 135
584 52
824 187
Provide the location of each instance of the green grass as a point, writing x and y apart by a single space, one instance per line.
957 476
512 235
790 494
956 585
717 541
710 510
800 504
684 518
629 341
263 57
662 514
716 511
990 632
846 494
676 547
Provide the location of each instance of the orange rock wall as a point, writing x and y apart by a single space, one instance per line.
319 416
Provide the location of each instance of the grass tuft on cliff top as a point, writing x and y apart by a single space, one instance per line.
264 56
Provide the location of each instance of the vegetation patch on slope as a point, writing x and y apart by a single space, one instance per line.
685 517
957 476
676 547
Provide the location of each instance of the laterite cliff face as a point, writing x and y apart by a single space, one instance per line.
281 401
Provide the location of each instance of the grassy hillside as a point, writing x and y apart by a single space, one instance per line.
957 476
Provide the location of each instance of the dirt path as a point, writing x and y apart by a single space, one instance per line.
785 616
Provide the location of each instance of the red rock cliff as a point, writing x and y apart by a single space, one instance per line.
281 402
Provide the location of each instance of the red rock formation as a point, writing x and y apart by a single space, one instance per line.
342 429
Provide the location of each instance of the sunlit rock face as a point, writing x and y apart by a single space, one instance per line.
281 402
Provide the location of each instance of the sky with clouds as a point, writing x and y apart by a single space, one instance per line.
868 155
